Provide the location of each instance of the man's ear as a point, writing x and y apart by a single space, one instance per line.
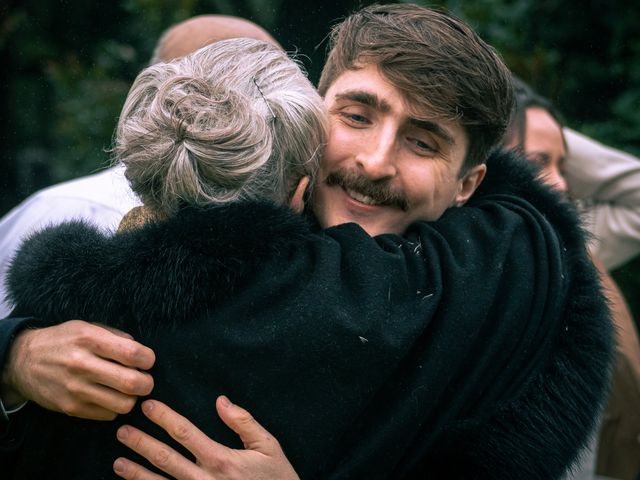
296 202
469 183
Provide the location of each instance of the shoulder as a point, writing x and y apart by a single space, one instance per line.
590 151
102 198
512 182
106 190
541 426
199 254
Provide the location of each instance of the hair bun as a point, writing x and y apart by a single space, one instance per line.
206 140
200 130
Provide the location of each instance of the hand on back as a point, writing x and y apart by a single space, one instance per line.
81 369
262 459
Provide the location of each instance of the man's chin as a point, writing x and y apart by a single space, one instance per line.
372 224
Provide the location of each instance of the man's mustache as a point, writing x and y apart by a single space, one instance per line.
380 191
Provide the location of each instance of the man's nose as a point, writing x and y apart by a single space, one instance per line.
377 160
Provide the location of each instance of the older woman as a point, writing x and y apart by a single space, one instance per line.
234 126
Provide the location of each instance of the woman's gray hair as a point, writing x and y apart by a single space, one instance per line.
235 120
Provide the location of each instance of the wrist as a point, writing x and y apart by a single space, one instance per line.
10 398
9 392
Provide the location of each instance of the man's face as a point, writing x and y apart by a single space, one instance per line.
382 168
544 145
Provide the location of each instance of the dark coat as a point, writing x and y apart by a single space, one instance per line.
477 346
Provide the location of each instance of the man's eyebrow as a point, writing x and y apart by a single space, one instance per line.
435 128
366 98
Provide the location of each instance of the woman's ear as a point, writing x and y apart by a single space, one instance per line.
296 202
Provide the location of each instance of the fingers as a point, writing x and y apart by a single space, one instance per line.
88 411
97 389
253 435
214 460
132 471
115 345
105 358
181 429
121 379
158 453
85 399
78 368
115 331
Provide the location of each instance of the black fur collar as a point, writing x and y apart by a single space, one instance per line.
194 259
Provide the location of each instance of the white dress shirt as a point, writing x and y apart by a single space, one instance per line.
101 199
607 182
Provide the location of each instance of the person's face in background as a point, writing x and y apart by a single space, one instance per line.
382 168
544 144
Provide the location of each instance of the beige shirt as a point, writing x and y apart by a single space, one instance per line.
607 182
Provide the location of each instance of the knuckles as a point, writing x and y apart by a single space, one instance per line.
182 432
126 405
84 334
219 464
76 361
134 382
161 457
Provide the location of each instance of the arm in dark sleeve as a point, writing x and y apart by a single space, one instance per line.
537 430
11 424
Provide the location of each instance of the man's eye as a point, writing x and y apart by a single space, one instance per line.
422 146
355 118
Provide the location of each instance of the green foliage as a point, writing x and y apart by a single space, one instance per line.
67 66
78 58
585 56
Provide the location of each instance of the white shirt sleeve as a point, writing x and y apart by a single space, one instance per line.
101 199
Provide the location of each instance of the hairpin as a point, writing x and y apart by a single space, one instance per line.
264 98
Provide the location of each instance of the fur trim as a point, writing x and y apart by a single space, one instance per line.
579 369
198 257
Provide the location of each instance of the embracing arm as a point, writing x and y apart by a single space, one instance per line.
78 368
72 367
540 430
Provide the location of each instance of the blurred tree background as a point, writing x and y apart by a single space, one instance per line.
67 66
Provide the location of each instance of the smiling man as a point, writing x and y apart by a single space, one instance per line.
368 354
412 119
386 167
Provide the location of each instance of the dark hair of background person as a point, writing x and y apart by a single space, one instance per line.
526 97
